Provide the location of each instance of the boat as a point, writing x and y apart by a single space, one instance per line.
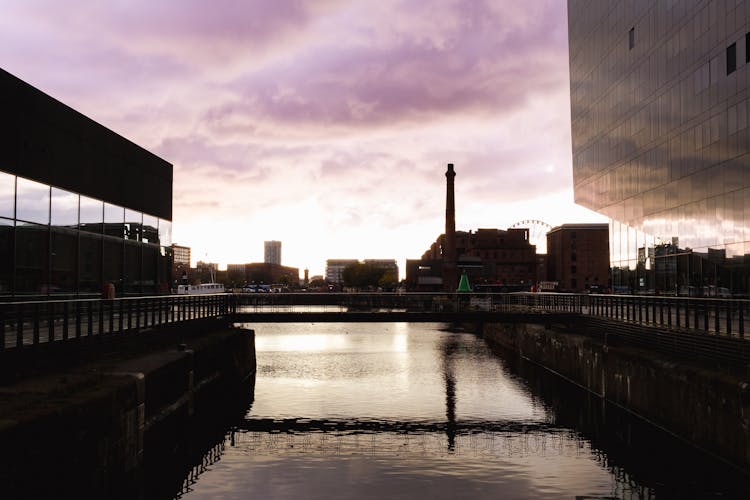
202 289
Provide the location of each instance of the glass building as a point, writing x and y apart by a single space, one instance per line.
80 206
661 144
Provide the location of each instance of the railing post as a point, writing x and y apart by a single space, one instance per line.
78 319
669 313
121 316
36 324
111 315
741 319
696 315
729 317
19 326
50 322
101 317
66 312
90 319
2 327
705 304
717 318
639 303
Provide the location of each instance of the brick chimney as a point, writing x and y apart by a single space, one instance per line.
450 269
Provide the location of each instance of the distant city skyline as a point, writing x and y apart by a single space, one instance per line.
327 127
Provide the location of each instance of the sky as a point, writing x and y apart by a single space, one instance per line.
326 125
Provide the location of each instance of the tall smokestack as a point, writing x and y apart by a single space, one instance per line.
450 274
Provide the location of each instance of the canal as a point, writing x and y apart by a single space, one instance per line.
402 410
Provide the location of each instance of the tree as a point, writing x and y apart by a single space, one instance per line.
387 281
362 275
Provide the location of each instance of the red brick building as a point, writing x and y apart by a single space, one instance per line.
578 257
489 256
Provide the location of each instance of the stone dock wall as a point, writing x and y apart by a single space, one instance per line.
88 428
707 407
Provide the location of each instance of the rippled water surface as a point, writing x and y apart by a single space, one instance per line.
417 411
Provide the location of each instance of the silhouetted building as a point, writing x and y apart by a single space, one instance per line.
659 107
489 257
180 265
335 270
578 257
80 206
265 273
272 252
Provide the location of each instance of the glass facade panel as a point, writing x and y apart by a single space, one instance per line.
7 195
68 244
64 261
164 269
132 267
112 256
165 233
91 215
150 233
6 256
64 212
661 148
114 221
150 278
90 264
32 201
133 223
31 259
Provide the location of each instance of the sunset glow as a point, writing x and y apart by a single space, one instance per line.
325 125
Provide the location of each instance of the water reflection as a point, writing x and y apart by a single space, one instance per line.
450 346
462 420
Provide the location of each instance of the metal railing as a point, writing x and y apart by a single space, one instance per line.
28 323
37 322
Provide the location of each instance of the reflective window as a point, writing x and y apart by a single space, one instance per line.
91 215
90 264
32 201
165 232
112 263
114 217
63 259
31 259
132 273
150 262
7 195
150 233
133 222
6 256
64 208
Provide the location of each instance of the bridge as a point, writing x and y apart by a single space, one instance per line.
712 327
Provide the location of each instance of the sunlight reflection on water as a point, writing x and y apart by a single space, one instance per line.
407 411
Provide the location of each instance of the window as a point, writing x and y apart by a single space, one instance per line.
731 59
573 269
747 47
631 38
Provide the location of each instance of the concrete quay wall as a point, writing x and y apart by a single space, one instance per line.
708 408
89 429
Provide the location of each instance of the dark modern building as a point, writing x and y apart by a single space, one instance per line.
578 257
80 206
661 142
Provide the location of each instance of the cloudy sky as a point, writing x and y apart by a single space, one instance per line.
324 124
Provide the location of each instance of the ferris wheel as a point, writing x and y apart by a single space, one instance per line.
537 232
